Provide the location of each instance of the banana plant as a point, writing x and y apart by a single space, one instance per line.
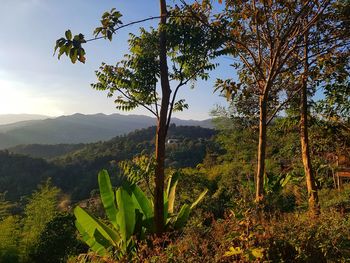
130 216
276 184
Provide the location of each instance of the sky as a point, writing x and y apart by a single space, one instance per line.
33 81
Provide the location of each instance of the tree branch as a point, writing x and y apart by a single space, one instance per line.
130 97
279 107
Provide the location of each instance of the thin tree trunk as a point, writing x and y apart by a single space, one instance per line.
304 139
162 125
259 195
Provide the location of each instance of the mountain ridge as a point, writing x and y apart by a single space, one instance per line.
79 128
13 118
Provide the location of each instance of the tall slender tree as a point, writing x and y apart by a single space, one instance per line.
304 137
180 40
162 121
266 38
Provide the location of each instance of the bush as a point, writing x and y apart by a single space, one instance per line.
290 238
9 238
333 198
326 238
57 241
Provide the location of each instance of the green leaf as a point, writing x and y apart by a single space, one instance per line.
100 239
89 224
138 224
73 54
107 197
126 214
171 191
182 217
200 197
91 241
285 181
62 50
59 43
68 34
68 47
144 205
165 206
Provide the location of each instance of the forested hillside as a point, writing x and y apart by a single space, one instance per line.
271 181
75 173
45 151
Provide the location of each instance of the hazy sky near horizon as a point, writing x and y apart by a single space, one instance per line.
33 81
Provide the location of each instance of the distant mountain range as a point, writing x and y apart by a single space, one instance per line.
77 128
12 118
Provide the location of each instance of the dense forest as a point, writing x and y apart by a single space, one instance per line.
268 184
75 172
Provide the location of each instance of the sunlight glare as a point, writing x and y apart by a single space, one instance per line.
16 99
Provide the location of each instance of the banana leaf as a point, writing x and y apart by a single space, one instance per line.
87 224
108 197
182 217
126 214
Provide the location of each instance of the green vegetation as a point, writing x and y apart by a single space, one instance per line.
226 226
27 235
75 173
270 179
130 214
45 151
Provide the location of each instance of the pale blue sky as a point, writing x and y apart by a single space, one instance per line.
33 81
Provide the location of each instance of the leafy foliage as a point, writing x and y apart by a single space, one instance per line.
20 175
130 214
9 239
110 20
71 47
40 210
57 241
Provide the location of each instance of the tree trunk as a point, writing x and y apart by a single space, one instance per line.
259 196
304 139
162 125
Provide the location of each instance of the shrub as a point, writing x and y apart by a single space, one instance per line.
57 241
9 238
291 237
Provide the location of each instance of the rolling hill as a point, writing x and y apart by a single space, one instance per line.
79 128
75 172
12 118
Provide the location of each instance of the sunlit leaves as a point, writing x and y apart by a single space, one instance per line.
336 102
233 251
109 22
71 47
228 88
191 46
180 105
135 77
249 254
141 168
68 35
133 81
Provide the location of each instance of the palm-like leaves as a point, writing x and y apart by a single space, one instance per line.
130 213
